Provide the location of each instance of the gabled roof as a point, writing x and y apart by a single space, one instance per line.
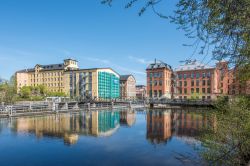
158 64
125 77
44 68
193 65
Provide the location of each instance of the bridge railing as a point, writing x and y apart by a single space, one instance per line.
180 101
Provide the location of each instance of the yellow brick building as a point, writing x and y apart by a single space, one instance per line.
51 76
96 83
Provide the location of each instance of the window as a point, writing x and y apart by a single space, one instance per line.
203 82
160 82
180 83
180 76
197 75
197 90
192 75
208 90
192 83
203 76
208 82
185 83
151 75
197 82
155 83
192 90
155 75
180 91
185 90
203 90
185 76
208 75
160 74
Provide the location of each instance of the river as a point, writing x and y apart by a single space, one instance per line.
106 137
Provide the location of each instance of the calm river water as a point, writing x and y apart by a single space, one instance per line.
117 137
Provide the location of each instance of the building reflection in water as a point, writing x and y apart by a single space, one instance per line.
69 126
163 125
127 118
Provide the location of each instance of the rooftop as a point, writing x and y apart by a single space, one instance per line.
124 77
52 67
192 65
158 64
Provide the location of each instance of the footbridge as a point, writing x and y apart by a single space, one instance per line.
179 102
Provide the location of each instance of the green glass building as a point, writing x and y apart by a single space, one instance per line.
108 85
108 121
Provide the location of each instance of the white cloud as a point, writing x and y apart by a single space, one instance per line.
139 60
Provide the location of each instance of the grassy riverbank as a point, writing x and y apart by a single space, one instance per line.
228 142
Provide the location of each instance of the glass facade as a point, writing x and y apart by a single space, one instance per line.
108 85
108 121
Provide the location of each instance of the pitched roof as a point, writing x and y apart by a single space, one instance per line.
125 77
53 67
25 70
159 64
192 65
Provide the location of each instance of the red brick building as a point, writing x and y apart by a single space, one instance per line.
235 86
199 81
159 80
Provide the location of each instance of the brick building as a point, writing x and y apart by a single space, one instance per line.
199 81
159 80
235 86
127 87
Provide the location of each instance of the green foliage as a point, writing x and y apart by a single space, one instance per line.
219 26
7 93
25 92
228 142
38 93
57 94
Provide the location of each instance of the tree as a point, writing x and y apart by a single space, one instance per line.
25 92
228 143
222 26
7 93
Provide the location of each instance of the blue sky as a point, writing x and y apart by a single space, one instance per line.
48 31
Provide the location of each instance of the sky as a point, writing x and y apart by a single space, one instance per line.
48 31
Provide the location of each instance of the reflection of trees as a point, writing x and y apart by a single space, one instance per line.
228 143
162 125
